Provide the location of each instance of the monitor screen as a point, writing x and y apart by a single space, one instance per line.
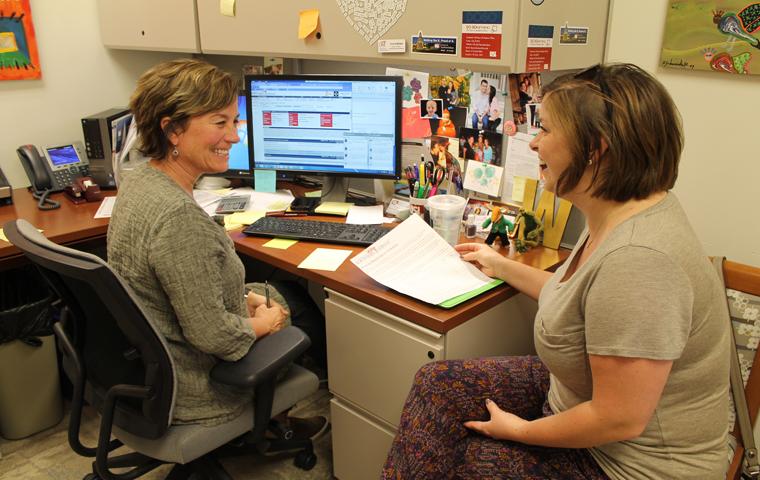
325 124
239 164
63 155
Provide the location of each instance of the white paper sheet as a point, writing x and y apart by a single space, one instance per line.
521 161
105 208
416 261
365 215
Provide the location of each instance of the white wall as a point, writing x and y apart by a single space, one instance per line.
79 77
720 169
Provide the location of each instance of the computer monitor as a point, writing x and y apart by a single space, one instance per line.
337 126
239 164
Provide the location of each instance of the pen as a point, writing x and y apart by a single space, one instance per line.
266 294
287 214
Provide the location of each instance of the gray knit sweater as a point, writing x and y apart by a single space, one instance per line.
183 268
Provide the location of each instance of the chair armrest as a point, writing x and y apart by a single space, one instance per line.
265 358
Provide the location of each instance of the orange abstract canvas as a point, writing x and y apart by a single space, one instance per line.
19 58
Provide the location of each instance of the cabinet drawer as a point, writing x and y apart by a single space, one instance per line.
360 445
373 356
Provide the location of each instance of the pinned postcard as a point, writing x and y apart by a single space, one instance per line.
391 45
573 35
415 85
481 35
436 45
412 126
483 178
538 55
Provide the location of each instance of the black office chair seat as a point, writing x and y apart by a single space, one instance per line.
119 363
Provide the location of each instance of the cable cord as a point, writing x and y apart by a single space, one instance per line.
44 202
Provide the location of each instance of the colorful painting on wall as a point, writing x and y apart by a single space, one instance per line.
717 35
19 59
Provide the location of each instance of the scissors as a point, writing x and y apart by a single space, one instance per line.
438 176
429 170
410 177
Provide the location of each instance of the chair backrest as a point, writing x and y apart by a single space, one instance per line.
743 291
114 339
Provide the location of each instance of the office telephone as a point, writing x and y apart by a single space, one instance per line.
54 170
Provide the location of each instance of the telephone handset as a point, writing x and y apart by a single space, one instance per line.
52 172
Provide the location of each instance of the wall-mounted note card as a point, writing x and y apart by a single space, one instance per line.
307 22
227 7
265 180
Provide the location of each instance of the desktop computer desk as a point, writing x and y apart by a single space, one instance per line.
376 338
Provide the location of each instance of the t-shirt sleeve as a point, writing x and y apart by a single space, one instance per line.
638 305
188 258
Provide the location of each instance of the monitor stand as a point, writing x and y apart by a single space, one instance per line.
334 189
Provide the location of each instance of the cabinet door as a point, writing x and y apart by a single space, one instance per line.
373 356
164 25
360 444
271 29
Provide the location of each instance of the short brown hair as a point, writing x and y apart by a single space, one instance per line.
636 117
178 89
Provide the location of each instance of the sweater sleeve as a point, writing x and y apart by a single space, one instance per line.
190 268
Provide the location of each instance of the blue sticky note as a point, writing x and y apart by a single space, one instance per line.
265 181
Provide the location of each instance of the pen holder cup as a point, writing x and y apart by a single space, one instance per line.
419 206
446 214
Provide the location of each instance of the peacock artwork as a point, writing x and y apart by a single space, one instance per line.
19 59
716 35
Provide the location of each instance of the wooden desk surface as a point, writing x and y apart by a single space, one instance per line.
71 224
352 282
74 224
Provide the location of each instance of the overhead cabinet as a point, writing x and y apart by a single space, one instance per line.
347 32
164 25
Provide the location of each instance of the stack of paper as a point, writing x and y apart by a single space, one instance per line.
414 260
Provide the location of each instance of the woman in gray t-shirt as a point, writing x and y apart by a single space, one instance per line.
631 377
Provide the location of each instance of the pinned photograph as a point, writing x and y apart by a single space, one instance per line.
525 92
487 102
431 108
453 90
480 145
273 66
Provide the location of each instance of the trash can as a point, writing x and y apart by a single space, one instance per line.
30 392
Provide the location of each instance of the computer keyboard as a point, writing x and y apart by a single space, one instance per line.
233 203
329 232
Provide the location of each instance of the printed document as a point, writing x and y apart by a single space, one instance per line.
414 260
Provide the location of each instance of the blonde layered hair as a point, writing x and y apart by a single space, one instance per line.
180 90
636 118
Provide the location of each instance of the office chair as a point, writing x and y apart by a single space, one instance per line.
743 292
119 363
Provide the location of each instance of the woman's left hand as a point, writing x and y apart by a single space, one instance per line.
502 425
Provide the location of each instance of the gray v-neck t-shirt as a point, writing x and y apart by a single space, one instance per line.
648 291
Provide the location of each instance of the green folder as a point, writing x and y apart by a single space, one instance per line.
453 302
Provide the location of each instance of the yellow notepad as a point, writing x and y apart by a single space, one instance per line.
333 208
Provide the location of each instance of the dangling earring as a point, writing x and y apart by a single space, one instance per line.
175 152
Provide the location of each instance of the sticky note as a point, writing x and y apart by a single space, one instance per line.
518 189
325 259
333 208
2 236
265 181
281 243
227 7
313 194
244 218
307 22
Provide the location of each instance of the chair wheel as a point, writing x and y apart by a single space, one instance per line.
305 460
91 476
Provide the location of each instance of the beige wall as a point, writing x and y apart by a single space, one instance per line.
720 168
79 77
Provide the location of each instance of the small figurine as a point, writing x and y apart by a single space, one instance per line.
499 226
528 230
